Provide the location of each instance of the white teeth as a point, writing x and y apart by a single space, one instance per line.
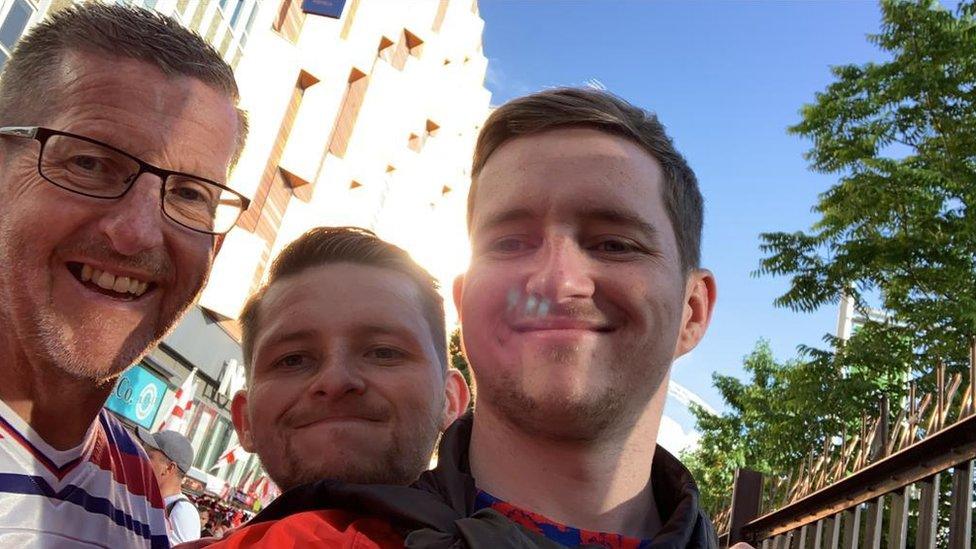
108 281
105 280
121 284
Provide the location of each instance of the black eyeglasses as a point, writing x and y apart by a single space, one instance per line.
91 168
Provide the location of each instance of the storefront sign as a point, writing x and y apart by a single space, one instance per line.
137 396
328 8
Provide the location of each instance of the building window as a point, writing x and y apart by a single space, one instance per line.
15 15
385 50
349 112
288 22
408 46
415 142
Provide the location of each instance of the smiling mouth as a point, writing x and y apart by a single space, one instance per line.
561 327
123 288
333 420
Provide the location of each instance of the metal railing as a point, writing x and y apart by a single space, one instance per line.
901 483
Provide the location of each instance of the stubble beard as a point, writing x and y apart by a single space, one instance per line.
400 463
46 338
574 418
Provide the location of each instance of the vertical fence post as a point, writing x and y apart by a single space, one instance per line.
801 539
818 534
746 496
872 527
961 515
928 513
852 526
833 532
898 527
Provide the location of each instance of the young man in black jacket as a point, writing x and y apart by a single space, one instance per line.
584 286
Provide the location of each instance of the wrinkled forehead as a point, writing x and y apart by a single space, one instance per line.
135 106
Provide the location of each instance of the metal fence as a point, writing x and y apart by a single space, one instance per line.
903 480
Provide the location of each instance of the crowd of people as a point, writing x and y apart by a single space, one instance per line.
217 517
118 129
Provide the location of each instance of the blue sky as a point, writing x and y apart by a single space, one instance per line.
727 79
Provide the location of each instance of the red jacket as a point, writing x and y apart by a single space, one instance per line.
329 528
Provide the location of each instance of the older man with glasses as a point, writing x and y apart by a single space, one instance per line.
117 130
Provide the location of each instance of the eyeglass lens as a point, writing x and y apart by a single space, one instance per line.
95 170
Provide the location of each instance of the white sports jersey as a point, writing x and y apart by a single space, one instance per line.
101 493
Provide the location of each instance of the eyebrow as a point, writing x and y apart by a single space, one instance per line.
385 330
500 218
286 337
608 215
621 217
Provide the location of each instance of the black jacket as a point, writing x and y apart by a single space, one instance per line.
675 492
435 513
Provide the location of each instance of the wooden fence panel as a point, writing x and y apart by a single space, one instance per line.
832 537
928 512
803 537
818 534
898 525
852 527
872 526
961 517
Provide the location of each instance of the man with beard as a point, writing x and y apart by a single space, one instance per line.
347 379
117 130
584 286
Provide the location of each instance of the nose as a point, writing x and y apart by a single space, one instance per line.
562 271
337 376
135 222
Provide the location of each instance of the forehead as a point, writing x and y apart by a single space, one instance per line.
564 172
342 298
134 106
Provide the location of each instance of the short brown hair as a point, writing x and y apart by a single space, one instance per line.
583 107
329 245
29 83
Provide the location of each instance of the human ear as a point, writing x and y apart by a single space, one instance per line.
456 397
242 423
699 300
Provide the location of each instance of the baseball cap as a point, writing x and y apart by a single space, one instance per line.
172 444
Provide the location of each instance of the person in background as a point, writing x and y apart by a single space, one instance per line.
171 456
206 525
118 128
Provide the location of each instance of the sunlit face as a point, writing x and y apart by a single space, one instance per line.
346 382
49 236
574 300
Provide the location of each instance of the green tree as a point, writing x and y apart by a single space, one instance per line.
898 229
767 425
459 362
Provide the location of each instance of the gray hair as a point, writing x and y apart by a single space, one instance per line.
29 79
